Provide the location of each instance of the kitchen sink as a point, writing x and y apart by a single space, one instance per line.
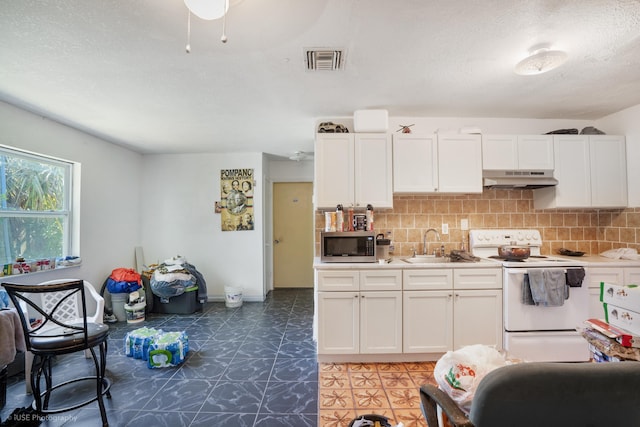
425 259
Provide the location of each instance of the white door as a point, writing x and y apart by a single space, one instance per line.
293 245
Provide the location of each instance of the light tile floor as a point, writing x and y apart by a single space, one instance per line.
349 390
254 365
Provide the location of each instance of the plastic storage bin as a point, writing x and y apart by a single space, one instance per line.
186 303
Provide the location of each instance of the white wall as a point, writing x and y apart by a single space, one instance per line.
110 195
627 122
291 171
178 218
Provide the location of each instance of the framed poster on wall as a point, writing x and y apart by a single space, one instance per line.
236 194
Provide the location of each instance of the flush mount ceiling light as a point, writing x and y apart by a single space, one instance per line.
300 155
208 10
540 60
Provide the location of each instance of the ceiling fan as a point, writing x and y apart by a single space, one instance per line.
300 155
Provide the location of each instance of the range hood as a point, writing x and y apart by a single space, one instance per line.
518 179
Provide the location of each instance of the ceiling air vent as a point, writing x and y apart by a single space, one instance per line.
324 59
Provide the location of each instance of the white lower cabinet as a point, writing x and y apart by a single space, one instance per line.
428 321
445 309
427 311
477 318
362 322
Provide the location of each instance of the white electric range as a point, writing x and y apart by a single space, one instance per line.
536 332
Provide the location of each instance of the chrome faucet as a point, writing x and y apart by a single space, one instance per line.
424 241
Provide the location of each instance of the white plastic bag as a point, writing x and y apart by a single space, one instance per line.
459 372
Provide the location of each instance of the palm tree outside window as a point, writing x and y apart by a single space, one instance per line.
35 206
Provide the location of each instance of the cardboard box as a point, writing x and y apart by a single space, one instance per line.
622 318
370 121
624 296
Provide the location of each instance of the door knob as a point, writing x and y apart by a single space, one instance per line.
276 241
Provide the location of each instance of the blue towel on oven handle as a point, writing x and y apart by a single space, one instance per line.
548 287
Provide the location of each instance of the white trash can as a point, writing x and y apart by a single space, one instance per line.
232 296
117 305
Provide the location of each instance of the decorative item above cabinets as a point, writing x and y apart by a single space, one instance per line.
437 163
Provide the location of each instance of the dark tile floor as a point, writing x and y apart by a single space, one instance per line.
254 365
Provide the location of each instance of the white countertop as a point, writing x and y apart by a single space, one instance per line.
587 261
398 263
600 261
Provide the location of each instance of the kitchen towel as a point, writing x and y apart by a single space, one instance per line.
527 298
548 287
575 276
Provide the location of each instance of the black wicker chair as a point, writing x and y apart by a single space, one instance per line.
51 331
545 394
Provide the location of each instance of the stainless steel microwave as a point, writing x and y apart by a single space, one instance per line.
347 246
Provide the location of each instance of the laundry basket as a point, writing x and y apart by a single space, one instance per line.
232 296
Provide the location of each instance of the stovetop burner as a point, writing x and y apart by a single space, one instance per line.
485 244
503 258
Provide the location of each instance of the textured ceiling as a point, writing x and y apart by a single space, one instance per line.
118 68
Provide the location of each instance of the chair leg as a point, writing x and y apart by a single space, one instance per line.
100 380
28 362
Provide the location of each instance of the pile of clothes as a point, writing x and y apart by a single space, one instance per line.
174 277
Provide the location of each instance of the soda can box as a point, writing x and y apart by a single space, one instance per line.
624 296
138 342
168 349
622 318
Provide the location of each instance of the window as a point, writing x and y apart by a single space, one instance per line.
35 206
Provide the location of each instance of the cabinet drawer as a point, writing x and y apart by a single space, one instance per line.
427 279
338 280
477 278
605 274
381 280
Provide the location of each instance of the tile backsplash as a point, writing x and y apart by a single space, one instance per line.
588 230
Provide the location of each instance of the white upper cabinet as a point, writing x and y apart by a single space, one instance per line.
373 170
353 170
591 172
459 163
415 163
517 152
437 163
